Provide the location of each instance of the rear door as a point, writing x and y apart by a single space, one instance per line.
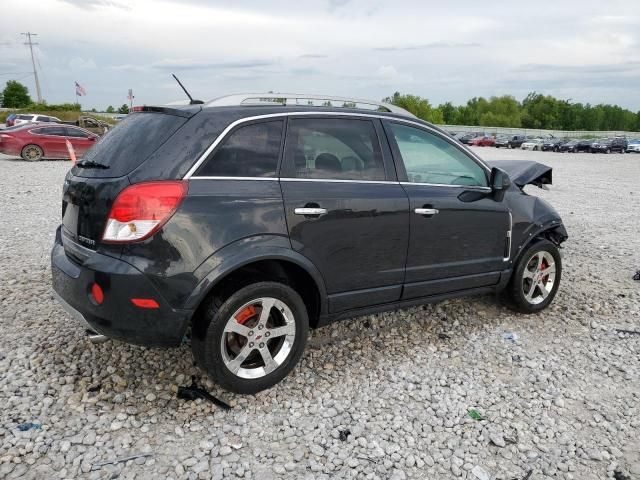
79 139
457 241
345 210
52 141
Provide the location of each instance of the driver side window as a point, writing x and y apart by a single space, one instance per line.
430 159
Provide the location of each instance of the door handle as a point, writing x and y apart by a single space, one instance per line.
426 211
310 211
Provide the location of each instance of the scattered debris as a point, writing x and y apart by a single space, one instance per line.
23 427
510 336
481 473
98 465
628 332
443 336
95 388
193 391
528 475
516 358
618 475
473 413
344 434
636 277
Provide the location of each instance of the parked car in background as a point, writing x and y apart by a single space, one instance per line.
583 146
532 144
24 118
512 141
10 119
467 138
634 146
484 141
92 124
608 145
502 141
36 142
568 146
552 144
120 116
254 223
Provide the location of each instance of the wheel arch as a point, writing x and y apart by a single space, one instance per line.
553 231
274 264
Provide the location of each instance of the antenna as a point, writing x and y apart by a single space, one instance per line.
35 72
191 100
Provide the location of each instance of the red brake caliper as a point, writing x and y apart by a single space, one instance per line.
245 314
544 267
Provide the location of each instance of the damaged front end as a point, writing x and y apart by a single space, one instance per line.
532 216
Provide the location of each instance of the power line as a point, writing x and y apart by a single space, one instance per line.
33 62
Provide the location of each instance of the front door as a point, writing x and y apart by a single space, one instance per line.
345 210
457 241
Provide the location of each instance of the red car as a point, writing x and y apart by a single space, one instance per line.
38 141
485 141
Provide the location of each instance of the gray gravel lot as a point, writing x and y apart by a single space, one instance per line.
382 397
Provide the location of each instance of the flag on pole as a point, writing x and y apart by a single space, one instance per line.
80 91
72 152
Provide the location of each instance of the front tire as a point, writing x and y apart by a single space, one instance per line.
32 153
253 339
536 278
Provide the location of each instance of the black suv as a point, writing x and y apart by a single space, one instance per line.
244 225
608 145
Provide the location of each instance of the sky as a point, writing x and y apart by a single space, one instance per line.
585 51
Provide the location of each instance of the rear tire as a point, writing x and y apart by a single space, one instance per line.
535 279
243 350
32 153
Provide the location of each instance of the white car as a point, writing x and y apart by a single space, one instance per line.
533 144
24 118
634 146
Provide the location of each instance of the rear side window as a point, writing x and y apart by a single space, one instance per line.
74 132
130 143
57 131
341 149
250 151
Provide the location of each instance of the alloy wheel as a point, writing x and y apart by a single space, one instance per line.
258 338
539 277
32 153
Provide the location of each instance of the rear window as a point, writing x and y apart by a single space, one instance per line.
130 143
24 117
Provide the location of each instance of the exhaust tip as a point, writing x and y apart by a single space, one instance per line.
95 337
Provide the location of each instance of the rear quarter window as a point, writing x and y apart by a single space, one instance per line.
130 143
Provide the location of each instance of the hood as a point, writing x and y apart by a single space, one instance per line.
524 172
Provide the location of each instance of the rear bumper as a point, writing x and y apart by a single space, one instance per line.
116 317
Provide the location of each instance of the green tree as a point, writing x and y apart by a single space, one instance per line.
124 108
110 109
419 106
15 95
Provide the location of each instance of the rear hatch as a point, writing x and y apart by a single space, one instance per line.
94 183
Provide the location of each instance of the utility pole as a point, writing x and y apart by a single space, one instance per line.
33 61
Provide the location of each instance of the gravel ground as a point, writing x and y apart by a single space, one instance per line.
385 396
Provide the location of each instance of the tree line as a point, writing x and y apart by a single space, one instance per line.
535 111
16 95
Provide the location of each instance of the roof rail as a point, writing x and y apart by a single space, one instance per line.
305 99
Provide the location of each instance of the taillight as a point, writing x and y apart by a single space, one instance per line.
141 209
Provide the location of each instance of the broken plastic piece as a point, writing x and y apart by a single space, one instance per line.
473 413
510 336
23 427
344 434
481 473
95 466
636 277
193 392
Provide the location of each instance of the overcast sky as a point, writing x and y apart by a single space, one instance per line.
587 51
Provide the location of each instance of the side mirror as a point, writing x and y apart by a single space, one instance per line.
499 180
500 183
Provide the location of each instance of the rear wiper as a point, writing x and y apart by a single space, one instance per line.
91 164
